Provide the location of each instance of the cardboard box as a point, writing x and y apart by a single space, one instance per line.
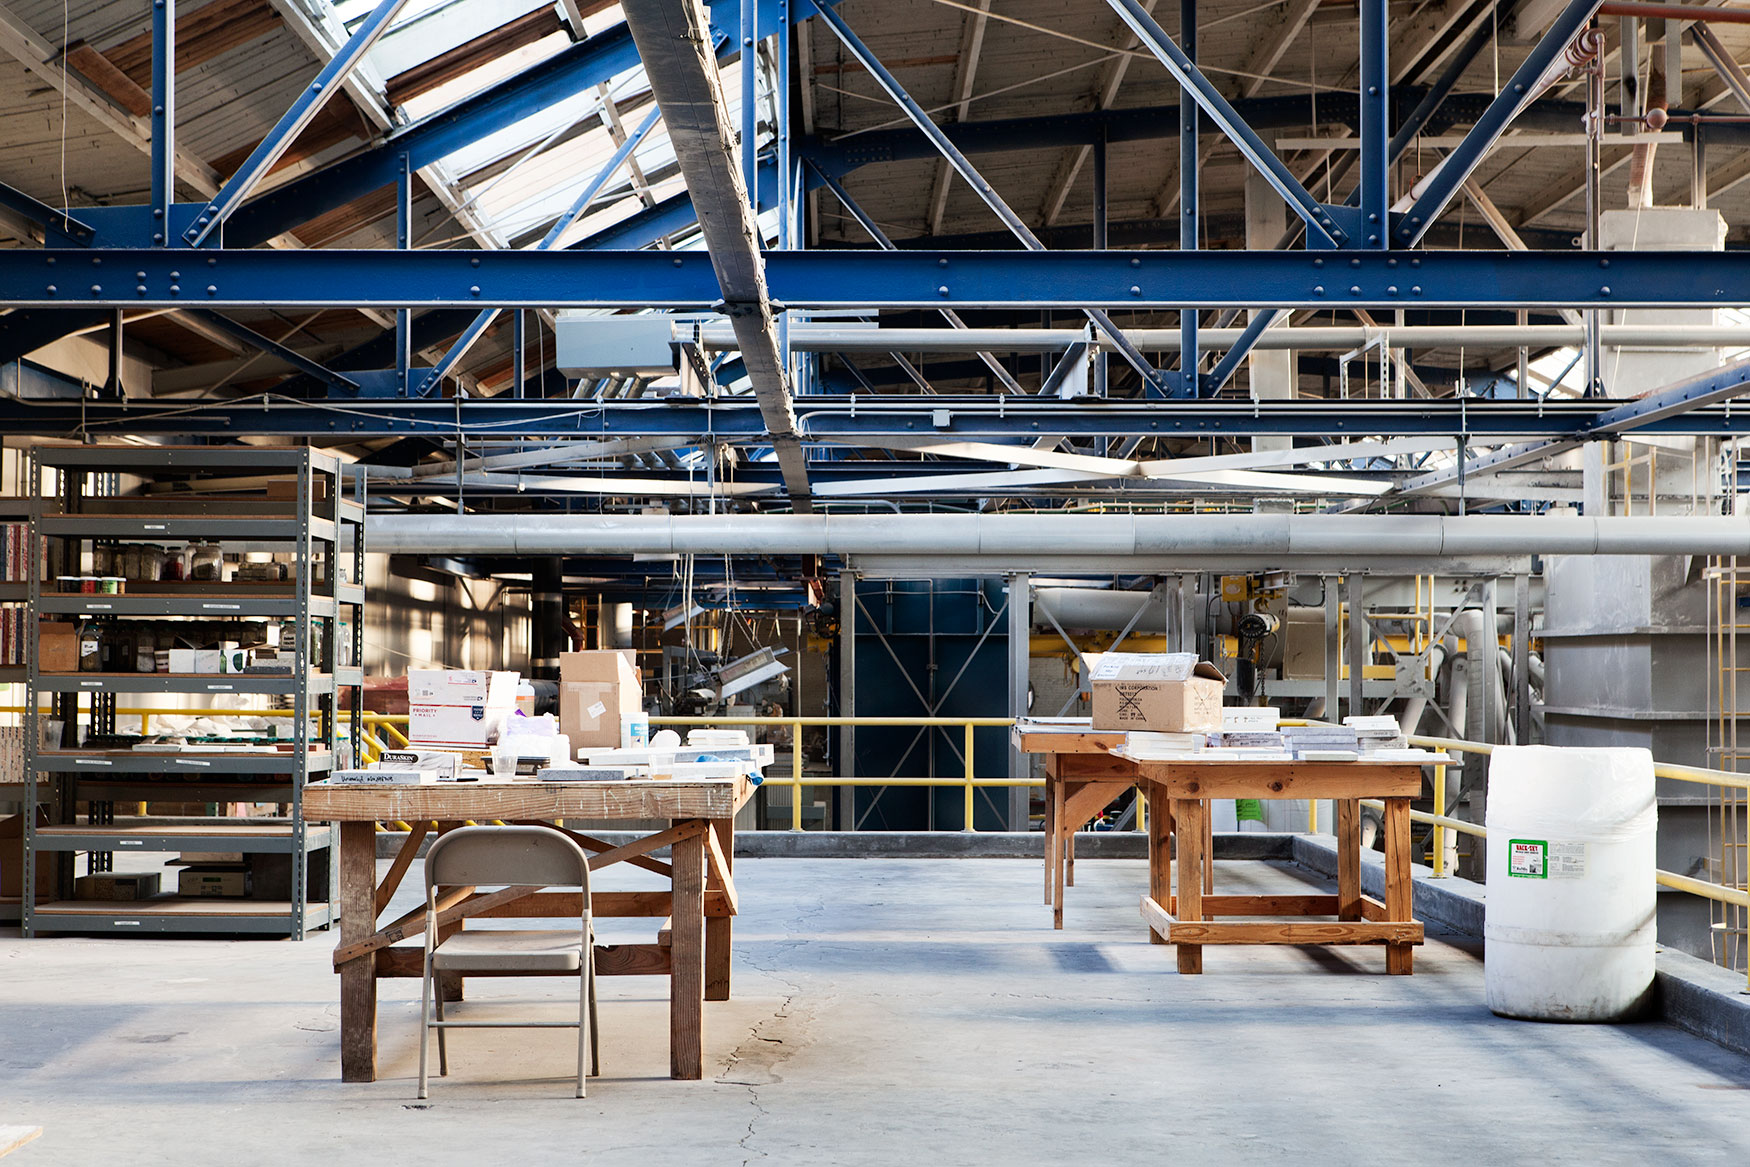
590 711
12 859
1167 692
1303 644
113 885
209 882
458 707
57 647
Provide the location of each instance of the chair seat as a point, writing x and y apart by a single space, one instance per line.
510 951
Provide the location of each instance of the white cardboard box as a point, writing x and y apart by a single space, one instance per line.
458 707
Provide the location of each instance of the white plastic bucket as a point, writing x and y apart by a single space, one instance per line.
1571 918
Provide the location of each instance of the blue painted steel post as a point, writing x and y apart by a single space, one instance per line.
1101 211
1375 123
1189 357
403 242
786 168
750 117
519 338
163 117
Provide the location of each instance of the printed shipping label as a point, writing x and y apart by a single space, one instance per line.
1528 858
1567 860
597 709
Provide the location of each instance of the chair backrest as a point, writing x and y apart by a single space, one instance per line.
536 856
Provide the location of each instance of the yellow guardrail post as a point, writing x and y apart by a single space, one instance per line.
1312 816
796 775
969 779
1439 863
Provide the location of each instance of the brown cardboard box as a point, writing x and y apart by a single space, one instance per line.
615 665
1303 644
207 881
589 711
57 647
1167 692
116 885
12 859
287 488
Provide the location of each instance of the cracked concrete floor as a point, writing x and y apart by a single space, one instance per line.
884 1010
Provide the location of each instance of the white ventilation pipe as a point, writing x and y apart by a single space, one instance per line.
992 537
1099 610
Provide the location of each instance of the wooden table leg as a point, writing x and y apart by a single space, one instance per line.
1348 859
358 977
719 930
1188 816
1399 890
1069 853
1059 855
1050 831
1208 854
686 989
1160 851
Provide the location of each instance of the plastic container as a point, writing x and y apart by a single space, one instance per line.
1571 919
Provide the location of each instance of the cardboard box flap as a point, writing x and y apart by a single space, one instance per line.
1152 666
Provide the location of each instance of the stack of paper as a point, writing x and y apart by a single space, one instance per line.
1317 743
1376 733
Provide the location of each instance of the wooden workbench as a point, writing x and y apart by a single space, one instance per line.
1088 766
700 903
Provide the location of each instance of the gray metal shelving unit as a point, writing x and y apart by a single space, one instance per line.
216 497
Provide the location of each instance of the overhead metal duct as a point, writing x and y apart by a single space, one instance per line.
1012 542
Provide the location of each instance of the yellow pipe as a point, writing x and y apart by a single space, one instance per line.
796 775
1440 806
969 780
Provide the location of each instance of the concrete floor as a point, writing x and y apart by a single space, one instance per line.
885 1010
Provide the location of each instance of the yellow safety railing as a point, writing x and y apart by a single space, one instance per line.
968 781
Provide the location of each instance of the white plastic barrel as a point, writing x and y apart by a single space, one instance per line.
1570 925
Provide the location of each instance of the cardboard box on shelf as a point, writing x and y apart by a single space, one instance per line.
1169 692
215 882
57 647
1303 645
117 885
12 859
458 707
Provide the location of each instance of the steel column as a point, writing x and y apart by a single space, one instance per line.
1101 359
1020 665
750 120
1352 585
163 117
1189 199
403 242
1375 124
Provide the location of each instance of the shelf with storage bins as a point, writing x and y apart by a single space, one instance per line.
232 577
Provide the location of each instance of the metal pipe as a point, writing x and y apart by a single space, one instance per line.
826 337
1675 12
1141 537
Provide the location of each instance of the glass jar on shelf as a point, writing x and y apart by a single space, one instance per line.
206 563
90 638
175 564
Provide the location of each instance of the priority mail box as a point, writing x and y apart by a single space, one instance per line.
1169 692
461 708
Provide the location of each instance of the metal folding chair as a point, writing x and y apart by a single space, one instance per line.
511 856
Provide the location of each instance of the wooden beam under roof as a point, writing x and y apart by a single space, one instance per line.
201 34
468 56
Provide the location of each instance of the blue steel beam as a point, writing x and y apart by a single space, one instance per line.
148 277
1450 176
566 74
962 166
53 220
291 123
1321 227
273 347
585 197
833 418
